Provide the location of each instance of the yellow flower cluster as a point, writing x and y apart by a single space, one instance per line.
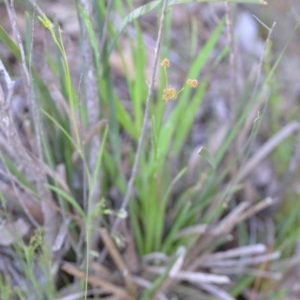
192 83
170 92
165 63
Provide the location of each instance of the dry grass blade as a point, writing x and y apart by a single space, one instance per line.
241 251
197 277
20 198
267 148
193 230
192 277
113 251
61 236
255 209
59 177
181 252
239 214
216 291
37 172
241 262
228 222
107 286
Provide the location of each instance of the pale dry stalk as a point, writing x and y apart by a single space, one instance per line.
91 99
30 164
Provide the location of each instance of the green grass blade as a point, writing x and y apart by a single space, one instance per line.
68 198
165 139
179 222
95 174
196 68
162 206
133 16
19 175
139 85
184 112
137 229
10 44
185 123
62 129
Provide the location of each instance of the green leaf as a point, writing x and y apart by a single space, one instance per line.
185 123
179 221
10 44
19 175
95 176
62 129
67 197
184 113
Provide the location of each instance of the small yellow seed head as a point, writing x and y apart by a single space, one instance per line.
169 93
165 63
192 83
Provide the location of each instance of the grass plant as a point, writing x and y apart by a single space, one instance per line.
117 206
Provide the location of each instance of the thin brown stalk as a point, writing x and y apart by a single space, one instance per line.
113 251
255 209
109 287
227 223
